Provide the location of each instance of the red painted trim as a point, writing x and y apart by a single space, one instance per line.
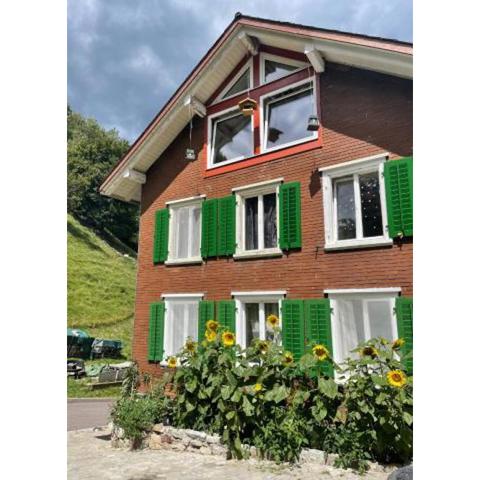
281 52
256 71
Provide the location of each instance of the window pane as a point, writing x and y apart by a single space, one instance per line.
251 223
350 326
192 321
371 208
274 70
182 232
380 316
270 309
346 225
288 118
177 319
196 218
233 138
252 325
242 84
270 220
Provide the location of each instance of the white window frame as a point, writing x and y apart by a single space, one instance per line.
260 297
170 299
248 65
354 168
263 116
173 207
276 58
388 294
249 191
227 113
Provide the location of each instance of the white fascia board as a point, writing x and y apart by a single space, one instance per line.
179 296
315 58
257 293
363 290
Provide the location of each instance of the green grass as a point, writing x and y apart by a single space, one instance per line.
101 295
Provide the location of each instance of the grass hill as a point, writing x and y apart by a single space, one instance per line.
101 286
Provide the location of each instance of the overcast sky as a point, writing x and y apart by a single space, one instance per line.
126 57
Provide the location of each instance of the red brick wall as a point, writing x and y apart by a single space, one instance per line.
363 113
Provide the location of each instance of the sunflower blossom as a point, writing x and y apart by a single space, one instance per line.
212 325
369 351
398 343
321 352
172 362
190 346
396 378
287 359
263 347
228 339
273 321
210 336
258 387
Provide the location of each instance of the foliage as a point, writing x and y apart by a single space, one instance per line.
101 286
91 153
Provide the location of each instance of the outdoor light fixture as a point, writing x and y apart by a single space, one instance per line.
189 154
313 123
247 106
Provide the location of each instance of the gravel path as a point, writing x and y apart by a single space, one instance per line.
90 457
91 412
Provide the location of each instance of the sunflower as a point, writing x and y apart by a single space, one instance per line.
258 387
287 359
190 346
396 378
398 343
262 347
210 336
273 321
172 362
321 352
369 351
228 338
212 325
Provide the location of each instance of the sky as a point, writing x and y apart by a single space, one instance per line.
127 57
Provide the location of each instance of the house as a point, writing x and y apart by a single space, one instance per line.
277 179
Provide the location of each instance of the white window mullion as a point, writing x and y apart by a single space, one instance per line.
366 320
358 207
261 240
261 321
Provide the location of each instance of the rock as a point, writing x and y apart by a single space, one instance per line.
218 450
330 459
196 444
205 450
196 435
212 439
166 438
312 455
175 433
158 428
403 473
155 442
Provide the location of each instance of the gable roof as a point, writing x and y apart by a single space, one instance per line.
388 56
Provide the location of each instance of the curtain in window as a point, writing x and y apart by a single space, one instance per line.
252 327
350 316
270 220
270 309
196 217
182 229
251 223
177 327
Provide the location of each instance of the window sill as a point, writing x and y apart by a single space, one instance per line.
184 261
363 243
268 252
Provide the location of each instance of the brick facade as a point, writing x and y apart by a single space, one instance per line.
362 113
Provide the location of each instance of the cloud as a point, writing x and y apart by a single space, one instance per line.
126 58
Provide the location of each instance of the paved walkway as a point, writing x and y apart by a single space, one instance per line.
90 457
88 412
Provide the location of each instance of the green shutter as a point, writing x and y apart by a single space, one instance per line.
318 328
226 314
155 331
160 242
226 226
206 311
404 313
399 192
293 327
290 216
209 228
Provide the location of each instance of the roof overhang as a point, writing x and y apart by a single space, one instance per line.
241 37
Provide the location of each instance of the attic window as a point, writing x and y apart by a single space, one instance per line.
274 67
242 84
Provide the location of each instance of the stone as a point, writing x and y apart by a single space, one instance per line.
403 473
158 428
312 455
196 435
212 439
166 438
205 450
195 444
218 450
154 442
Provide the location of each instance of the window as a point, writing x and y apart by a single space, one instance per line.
286 115
185 230
181 321
273 67
258 219
253 310
360 316
232 138
241 82
354 204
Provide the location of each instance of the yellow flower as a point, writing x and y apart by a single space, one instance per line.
321 352
273 321
287 359
212 325
398 343
190 346
396 378
262 347
228 338
258 387
172 362
210 336
369 351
